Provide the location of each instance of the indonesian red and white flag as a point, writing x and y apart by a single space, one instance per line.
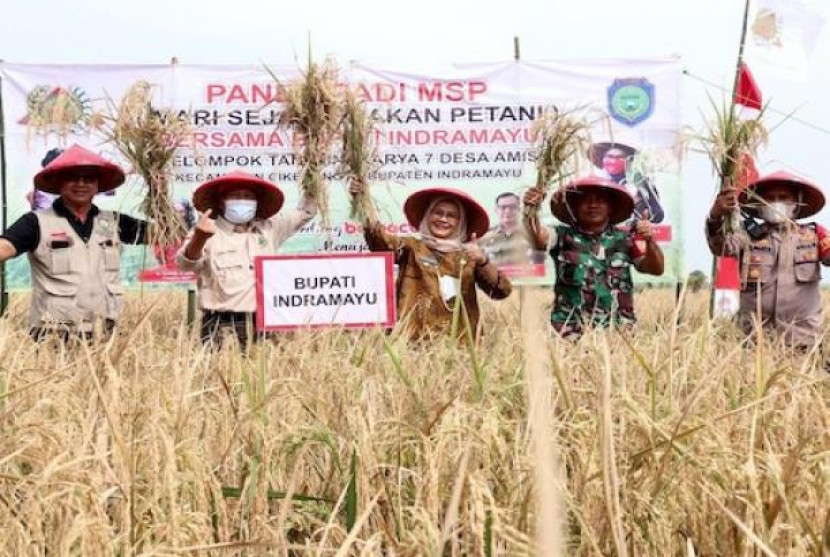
782 35
727 270
747 93
727 288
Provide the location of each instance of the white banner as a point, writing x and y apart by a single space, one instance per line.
348 290
463 126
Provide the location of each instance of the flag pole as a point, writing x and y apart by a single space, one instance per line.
740 61
741 48
4 215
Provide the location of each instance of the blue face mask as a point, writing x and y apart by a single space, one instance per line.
240 211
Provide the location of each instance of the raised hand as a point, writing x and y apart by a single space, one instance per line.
643 229
533 197
356 188
725 203
473 251
206 226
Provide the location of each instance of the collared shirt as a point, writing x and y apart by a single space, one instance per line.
780 275
225 271
24 234
420 270
512 248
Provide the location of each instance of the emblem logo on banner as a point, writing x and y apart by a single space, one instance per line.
631 100
57 109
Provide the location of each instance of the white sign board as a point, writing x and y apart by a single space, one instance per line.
346 290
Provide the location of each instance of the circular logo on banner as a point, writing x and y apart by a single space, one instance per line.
631 101
60 110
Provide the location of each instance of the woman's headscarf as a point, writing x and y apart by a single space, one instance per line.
444 245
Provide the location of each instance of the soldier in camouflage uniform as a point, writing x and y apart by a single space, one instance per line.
593 259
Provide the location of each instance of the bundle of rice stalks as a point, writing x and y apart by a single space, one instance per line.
561 137
729 140
313 110
148 138
359 153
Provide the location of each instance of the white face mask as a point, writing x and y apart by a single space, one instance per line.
240 211
778 212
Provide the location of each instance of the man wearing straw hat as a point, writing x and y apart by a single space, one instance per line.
73 247
593 259
780 259
221 248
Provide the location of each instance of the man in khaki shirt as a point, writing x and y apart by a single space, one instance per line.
780 259
506 244
221 250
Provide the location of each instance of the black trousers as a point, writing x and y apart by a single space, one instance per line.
217 324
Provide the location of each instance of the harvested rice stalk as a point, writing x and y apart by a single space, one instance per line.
313 111
728 141
562 137
359 154
148 138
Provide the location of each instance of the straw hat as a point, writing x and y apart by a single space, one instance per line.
621 202
416 206
811 199
210 194
50 179
597 151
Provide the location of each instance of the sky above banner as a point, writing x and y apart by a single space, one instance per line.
705 34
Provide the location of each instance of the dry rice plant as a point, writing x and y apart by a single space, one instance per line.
359 153
149 138
728 140
152 445
562 139
313 111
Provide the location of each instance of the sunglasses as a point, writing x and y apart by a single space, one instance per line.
88 177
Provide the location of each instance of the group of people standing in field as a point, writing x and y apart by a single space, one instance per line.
606 230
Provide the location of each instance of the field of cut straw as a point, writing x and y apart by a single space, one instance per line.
671 441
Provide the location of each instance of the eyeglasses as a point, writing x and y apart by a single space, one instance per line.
511 207
440 213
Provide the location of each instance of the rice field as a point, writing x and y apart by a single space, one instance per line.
676 439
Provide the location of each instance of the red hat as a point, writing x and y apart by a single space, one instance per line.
597 151
811 199
269 197
416 206
110 175
622 204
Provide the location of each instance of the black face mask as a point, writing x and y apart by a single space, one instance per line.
753 227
